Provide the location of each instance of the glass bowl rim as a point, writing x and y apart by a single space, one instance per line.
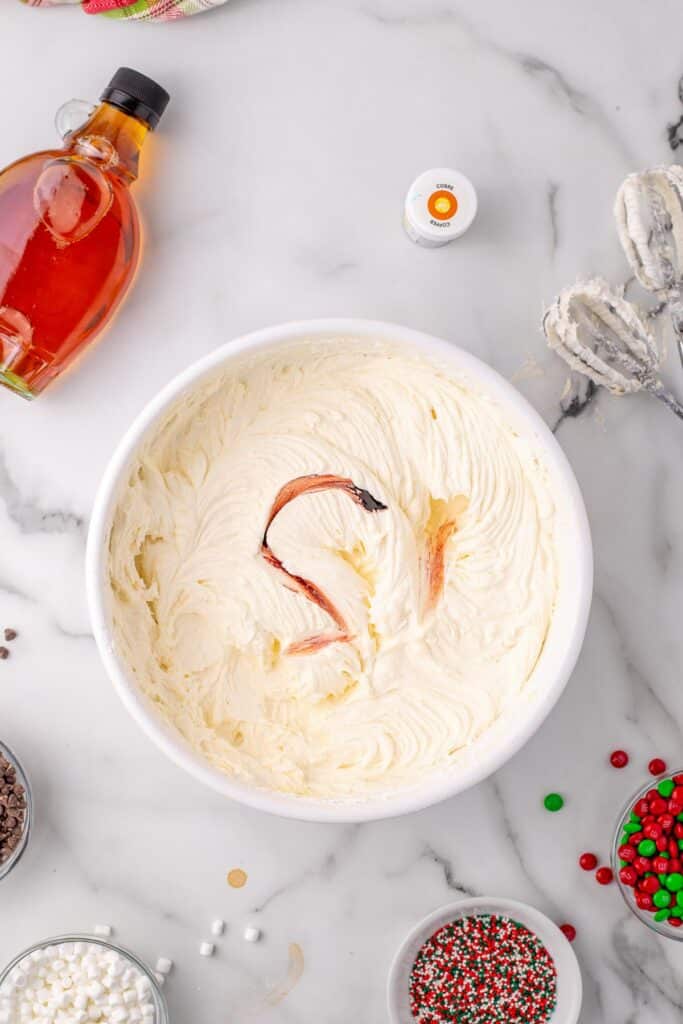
159 998
7 866
662 928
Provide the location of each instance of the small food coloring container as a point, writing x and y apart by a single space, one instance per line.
8 865
155 994
569 985
624 827
440 206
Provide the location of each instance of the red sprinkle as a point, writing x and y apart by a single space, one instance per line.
657 766
618 758
604 876
588 861
569 930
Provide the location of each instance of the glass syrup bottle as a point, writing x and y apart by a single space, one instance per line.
70 234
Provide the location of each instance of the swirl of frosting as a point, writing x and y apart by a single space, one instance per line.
433 603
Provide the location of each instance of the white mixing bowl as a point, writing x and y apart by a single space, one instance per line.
552 671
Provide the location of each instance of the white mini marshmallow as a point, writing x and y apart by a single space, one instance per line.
207 949
164 965
218 927
103 930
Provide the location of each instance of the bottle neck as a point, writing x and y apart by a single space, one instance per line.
111 138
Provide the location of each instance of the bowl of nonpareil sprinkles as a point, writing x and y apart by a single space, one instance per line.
485 961
79 978
15 811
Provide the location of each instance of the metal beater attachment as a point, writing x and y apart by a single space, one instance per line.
649 214
601 335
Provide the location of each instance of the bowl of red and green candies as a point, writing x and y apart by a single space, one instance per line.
647 855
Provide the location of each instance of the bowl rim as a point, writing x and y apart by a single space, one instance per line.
8 866
662 928
434 788
159 998
570 984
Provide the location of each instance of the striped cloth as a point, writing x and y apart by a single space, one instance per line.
136 10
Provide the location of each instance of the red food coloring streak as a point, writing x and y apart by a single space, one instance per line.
436 549
294 489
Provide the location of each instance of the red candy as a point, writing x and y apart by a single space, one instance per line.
653 830
675 922
618 758
662 844
678 830
629 876
642 808
642 864
661 865
604 875
674 866
650 885
588 861
675 807
625 853
657 766
678 779
658 806
667 822
569 930
644 901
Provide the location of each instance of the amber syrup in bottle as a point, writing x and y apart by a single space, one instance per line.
70 235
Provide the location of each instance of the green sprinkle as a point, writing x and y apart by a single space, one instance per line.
666 788
554 802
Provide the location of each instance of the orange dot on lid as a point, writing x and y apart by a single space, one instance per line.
442 204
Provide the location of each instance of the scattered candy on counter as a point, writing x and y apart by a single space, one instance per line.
651 849
485 969
618 758
76 981
657 766
553 802
12 809
604 876
569 930
588 861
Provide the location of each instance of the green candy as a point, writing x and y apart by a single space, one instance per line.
679 899
630 827
646 847
680 844
674 882
679 817
635 818
662 899
666 788
554 802
623 863
662 915
677 911
662 879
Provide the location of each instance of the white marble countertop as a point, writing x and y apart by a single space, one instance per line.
273 192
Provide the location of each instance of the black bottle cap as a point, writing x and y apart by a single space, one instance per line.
137 95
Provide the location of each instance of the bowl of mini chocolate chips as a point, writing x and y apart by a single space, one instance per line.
15 811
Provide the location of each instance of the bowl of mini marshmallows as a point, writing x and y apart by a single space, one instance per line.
15 811
80 978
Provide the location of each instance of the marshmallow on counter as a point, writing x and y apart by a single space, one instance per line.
164 965
252 933
207 949
218 927
76 982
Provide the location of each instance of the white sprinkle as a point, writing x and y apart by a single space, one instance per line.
218 927
251 933
103 931
207 949
164 965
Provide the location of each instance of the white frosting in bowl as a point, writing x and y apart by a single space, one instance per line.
392 614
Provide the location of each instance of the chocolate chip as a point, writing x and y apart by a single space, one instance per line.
10 635
4 653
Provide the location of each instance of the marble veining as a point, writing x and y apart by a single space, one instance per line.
274 192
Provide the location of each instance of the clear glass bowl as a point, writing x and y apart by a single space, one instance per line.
14 858
161 1010
647 918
